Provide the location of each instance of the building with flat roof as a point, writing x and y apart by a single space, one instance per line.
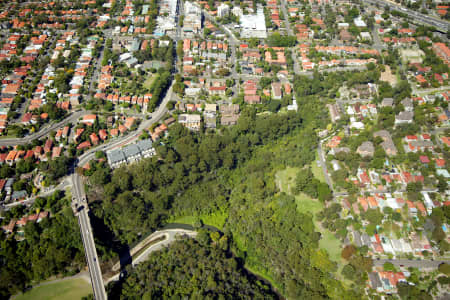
190 121
192 17
223 10
167 19
254 25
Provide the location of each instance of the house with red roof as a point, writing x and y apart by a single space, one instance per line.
440 163
103 134
84 145
56 152
364 178
94 139
421 208
424 159
363 202
78 133
48 146
114 132
26 119
334 142
89 119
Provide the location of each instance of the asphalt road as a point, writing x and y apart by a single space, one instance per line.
421 264
441 25
44 131
170 235
324 167
62 186
289 30
88 240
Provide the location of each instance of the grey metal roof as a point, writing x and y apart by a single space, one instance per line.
19 194
145 145
131 150
365 239
115 156
9 182
375 280
357 238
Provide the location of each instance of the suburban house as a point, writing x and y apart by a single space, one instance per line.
192 122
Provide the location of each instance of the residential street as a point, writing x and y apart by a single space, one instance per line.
421 264
73 118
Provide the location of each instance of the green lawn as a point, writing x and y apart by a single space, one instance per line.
317 170
308 204
330 243
216 219
285 179
67 290
148 82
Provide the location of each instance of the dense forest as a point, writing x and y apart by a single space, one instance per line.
231 173
50 247
191 269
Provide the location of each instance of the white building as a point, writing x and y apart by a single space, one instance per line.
223 10
293 106
254 25
237 11
193 18
359 22
166 21
365 36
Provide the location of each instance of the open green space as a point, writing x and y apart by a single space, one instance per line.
216 219
149 81
330 243
308 204
75 288
316 169
285 180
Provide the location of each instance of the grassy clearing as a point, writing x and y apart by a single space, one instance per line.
149 81
68 289
316 169
308 204
285 179
330 243
263 274
216 219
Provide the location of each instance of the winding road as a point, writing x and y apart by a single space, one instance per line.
170 236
